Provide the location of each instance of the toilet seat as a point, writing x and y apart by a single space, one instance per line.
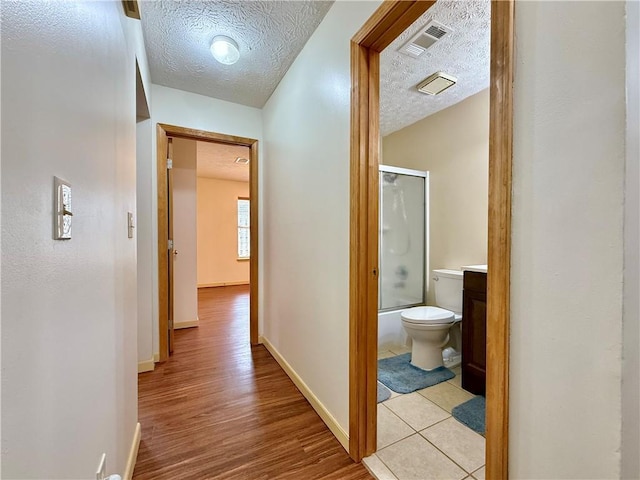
428 316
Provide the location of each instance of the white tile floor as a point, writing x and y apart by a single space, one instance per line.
418 439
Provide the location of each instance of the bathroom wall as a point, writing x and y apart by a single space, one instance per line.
185 295
453 145
218 262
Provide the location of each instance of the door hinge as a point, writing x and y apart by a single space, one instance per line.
169 164
170 244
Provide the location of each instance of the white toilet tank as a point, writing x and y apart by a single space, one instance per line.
448 289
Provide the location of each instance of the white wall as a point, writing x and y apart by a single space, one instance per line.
631 330
567 243
183 109
453 145
306 242
185 263
143 227
69 383
144 241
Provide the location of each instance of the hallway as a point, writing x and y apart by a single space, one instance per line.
221 409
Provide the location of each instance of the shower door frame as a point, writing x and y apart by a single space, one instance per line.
413 173
389 21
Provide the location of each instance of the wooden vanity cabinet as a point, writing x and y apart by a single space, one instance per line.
474 332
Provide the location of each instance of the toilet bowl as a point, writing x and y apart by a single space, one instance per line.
429 327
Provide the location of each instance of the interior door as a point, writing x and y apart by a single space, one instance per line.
171 252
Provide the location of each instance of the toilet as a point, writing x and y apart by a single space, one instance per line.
429 327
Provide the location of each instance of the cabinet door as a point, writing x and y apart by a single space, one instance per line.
474 333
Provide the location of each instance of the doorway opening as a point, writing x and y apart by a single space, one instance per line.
384 26
167 250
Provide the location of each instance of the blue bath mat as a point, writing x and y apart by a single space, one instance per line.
399 375
383 393
472 414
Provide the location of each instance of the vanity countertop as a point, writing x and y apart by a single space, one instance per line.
475 268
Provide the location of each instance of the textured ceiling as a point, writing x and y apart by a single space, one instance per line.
464 53
270 35
217 160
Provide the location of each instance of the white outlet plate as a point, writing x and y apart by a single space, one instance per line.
62 209
101 472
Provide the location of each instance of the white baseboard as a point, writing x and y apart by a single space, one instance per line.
189 324
222 284
156 357
133 453
146 366
325 415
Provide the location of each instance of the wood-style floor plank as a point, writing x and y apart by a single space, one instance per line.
219 408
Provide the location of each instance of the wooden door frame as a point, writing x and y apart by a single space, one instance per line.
384 26
164 131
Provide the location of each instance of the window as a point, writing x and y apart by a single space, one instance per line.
243 228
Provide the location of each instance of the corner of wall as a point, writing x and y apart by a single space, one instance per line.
630 461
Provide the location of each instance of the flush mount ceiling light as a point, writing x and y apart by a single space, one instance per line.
241 160
225 49
436 83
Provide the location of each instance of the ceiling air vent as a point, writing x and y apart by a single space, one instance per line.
435 31
425 38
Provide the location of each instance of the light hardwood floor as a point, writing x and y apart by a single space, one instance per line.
221 409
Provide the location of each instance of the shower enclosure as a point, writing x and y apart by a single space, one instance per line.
403 247
403 243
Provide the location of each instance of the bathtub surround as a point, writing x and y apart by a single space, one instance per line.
390 331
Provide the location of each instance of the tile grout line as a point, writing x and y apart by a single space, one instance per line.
398 415
422 436
450 415
441 451
394 413
382 461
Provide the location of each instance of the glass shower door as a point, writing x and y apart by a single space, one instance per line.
402 238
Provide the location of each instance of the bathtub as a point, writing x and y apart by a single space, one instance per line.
390 331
